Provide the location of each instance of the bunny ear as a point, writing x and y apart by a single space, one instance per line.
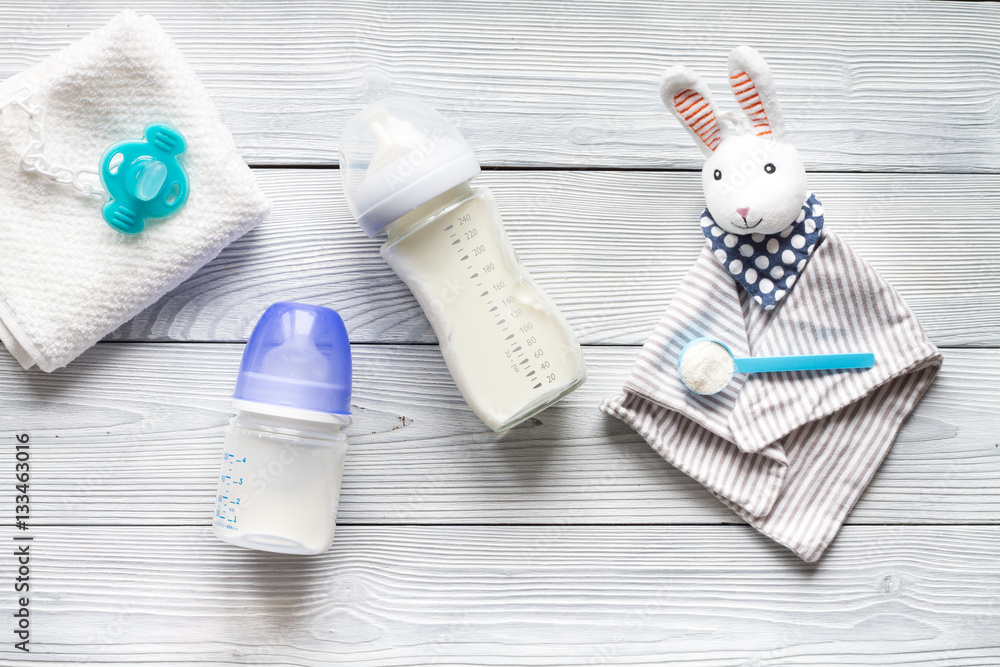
687 96
753 86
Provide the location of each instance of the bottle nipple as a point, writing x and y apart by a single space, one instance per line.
297 357
398 154
394 138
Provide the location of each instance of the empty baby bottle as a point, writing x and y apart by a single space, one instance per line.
406 171
284 451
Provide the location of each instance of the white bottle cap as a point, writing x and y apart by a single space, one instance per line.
397 154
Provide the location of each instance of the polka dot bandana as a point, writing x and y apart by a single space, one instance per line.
767 265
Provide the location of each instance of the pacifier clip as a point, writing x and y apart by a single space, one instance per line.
140 179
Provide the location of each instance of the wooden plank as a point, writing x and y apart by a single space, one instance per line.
609 247
508 595
865 86
131 434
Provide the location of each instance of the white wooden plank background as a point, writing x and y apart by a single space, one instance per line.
130 433
520 595
619 240
567 541
865 85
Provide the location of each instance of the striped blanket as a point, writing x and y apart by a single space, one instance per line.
789 452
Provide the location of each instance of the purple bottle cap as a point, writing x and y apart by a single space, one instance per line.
298 357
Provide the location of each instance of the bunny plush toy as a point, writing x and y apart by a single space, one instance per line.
761 221
789 452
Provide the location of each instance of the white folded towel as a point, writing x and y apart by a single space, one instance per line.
67 279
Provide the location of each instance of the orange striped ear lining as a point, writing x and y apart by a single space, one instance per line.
698 115
750 102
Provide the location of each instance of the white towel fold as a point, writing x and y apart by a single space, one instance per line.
789 452
67 279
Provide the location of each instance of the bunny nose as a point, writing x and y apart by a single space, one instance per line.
743 212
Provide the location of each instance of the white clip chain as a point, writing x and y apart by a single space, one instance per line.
33 159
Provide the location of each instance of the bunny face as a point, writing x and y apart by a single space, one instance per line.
755 183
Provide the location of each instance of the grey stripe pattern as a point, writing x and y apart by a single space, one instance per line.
788 452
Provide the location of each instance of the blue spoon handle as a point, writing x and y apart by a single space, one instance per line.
807 362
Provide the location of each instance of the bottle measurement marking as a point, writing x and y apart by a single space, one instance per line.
227 513
518 349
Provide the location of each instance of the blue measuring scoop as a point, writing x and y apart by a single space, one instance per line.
143 178
805 362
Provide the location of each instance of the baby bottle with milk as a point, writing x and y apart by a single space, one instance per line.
406 171
284 452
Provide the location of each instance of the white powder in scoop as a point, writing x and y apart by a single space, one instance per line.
706 367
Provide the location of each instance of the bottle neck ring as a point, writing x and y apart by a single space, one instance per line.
291 413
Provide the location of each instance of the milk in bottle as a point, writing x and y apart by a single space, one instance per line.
509 349
283 455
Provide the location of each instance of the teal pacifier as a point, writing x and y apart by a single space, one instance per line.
143 178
